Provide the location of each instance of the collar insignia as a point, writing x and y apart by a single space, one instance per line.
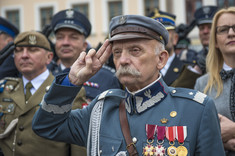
145 99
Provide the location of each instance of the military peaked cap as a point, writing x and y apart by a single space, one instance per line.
137 26
167 19
73 19
205 14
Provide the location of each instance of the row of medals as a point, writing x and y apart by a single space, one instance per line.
160 150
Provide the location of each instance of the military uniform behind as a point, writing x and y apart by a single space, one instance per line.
16 113
7 66
20 138
174 66
105 78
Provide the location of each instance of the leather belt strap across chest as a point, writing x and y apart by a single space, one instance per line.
126 130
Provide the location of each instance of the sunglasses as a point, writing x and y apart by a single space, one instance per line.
222 30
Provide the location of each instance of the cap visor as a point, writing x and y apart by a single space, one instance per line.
204 22
69 26
169 27
125 36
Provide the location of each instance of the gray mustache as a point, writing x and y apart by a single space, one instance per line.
126 70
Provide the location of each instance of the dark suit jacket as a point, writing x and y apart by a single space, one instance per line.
173 71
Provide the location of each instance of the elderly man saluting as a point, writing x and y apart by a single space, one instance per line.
148 118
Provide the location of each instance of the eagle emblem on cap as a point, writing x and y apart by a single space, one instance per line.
122 20
206 11
32 39
69 13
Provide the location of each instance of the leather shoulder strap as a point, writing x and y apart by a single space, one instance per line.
126 130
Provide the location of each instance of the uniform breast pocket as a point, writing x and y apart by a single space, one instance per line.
7 107
7 114
109 146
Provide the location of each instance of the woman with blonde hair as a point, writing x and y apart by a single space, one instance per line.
219 82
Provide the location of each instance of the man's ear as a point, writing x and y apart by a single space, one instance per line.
162 59
176 38
85 44
50 56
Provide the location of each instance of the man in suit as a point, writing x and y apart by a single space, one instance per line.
187 78
148 118
20 98
7 34
174 65
71 29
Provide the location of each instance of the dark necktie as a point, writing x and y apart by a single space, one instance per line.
28 93
226 75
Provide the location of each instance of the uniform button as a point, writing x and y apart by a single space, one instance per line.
190 93
134 140
21 128
19 143
174 91
48 88
100 151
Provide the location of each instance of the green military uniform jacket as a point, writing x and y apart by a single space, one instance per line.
18 139
187 79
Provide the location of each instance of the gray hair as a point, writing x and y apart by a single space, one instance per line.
160 47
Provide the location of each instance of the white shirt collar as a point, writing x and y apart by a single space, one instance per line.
37 81
169 61
226 67
62 67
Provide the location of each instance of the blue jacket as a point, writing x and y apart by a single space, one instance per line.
98 126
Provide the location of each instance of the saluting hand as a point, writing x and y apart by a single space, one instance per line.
88 64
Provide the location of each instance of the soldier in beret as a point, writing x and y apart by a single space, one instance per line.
71 29
7 34
148 118
171 71
20 98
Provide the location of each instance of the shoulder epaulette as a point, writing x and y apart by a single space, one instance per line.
112 92
189 94
109 68
12 79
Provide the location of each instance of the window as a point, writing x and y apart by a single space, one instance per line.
46 16
191 7
83 8
13 17
150 6
225 3
115 9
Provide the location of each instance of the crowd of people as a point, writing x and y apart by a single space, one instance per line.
158 98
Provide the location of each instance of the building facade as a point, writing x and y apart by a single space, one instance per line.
36 14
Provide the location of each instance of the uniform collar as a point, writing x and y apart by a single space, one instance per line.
37 81
144 99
